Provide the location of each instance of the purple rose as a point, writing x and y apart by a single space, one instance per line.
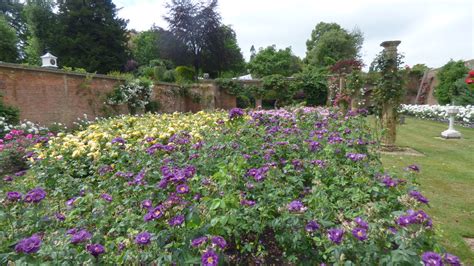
355 157
219 241
177 220
182 189
147 204
249 203
296 206
106 197
143 238
414 168
209 258
198 241
35 195
70 201
28 245
431 259
118 140
60 216
80 236
148 217
236 112
417 195
13 196
335 235
7 178
312 226
360 233
157 212
361 223
95 249
451 260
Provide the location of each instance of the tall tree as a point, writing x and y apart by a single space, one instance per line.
222 53
12 10
145 46
8 42
192 23
270 61
42 25
330 43
92 36
445 92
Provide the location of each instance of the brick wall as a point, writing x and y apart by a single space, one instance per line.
48 95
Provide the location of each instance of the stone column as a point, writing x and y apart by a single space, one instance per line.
389 110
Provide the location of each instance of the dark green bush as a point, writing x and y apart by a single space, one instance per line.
184 74
11 114
447 76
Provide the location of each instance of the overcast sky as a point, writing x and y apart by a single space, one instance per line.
431 31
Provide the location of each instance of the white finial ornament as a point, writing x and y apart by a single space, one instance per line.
49 60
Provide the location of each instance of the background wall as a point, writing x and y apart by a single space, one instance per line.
48 95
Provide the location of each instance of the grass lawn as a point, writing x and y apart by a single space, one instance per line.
446 178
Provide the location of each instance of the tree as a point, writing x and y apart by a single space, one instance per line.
172 49
91 36
270 61
192 24
222 53
12 10
314 84
330 43
448 75
145 46
8 42
42 25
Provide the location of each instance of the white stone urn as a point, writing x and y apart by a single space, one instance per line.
451 133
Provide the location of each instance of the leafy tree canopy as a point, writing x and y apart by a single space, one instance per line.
145 46
330 43
8 42
270 61
448 75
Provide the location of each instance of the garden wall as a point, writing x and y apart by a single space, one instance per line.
48 95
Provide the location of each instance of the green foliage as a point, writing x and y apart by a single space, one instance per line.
447 76
354 82
9 113
145 46
136 93
418 70
462 95
231 86
184 74
153 106
389 87
12 11
91 36
330 43
278 88
314 85
8 42
169 76
120 75
270 61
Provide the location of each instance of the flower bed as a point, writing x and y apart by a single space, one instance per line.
273 187
439 112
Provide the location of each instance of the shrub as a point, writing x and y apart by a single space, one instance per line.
136 93
447 76
314 86
169 76
184 74
268 187
11 115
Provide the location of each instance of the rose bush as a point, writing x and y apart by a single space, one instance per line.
438 112
301 186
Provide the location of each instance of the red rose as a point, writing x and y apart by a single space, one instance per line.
471 73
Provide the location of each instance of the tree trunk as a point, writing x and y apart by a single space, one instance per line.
389 122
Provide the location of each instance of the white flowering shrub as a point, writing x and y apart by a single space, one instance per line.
26 126
135 92
438 112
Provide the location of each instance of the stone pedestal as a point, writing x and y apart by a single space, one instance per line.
451 133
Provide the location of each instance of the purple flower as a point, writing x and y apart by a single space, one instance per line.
60 216
236 112
296 206
451 260
118 140
431 259
314 146
248 203
414 168
258 173
106 197
335 235
147 204
80 236
70 201
182 189
20 173
13 196
198 241
361 223
209 258
355 157
143 238
35 195
219 241
405 220
28 245
360 233
312 226
389 182
71 231
148 217
157 212
177 220
8 178
95 249
104 169
417 195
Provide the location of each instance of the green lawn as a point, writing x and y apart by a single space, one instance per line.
446 178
